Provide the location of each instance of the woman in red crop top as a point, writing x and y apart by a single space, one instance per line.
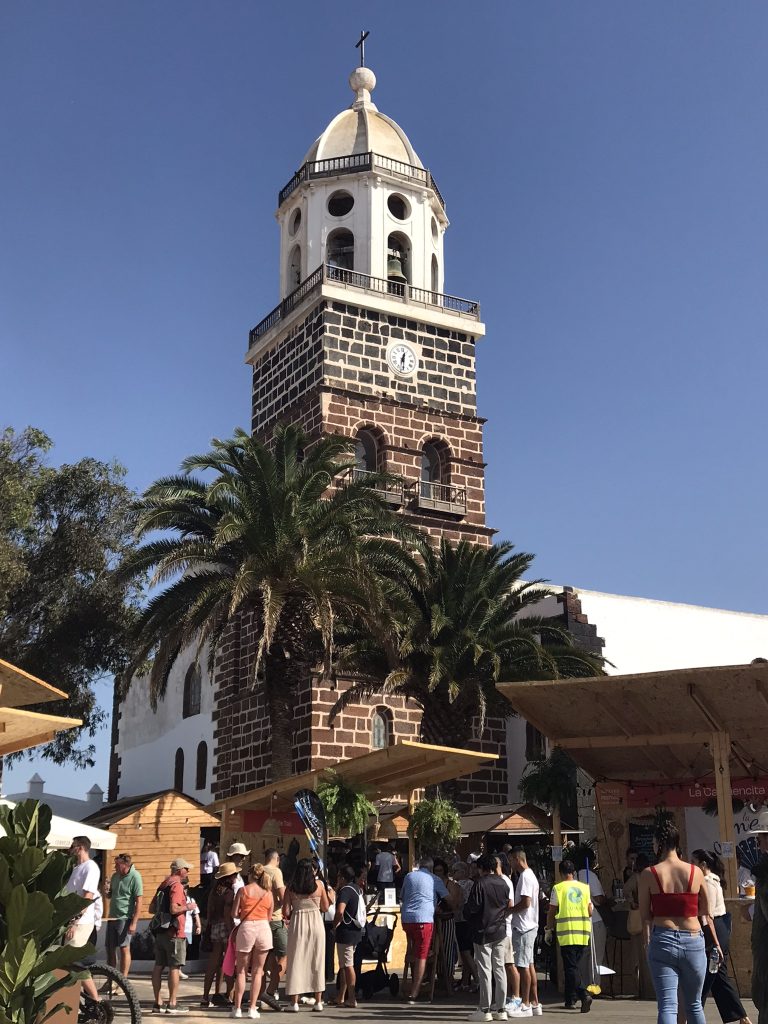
673 902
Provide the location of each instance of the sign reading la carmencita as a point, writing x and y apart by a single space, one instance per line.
678 794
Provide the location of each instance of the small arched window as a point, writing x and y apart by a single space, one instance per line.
431 464
435 274
340 249
366 451
294 268
193 681
201 773
381 729
178 771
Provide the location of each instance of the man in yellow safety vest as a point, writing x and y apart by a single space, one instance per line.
570 913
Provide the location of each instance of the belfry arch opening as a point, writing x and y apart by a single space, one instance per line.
340 249
398 261
294 268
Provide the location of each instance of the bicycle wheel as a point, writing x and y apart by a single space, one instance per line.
119 999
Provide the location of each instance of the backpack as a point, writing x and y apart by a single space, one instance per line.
359 919
163 918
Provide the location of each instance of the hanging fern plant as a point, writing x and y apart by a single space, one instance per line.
435 825
347 808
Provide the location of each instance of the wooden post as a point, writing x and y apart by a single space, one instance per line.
557 832
721 754
411 842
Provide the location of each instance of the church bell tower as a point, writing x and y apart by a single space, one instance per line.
365 342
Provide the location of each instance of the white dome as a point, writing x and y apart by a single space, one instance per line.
363 129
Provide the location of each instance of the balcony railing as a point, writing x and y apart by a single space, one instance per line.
391 490
365 282
441 498
353 165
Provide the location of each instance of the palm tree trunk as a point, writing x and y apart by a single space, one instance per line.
287 680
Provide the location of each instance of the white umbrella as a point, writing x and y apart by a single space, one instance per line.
63 831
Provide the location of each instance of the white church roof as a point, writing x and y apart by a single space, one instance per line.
362 128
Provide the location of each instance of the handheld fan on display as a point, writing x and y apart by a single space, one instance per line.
312 816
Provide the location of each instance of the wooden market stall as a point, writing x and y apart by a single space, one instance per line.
701 729
154 829
515 824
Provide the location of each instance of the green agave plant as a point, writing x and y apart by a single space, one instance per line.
347 809
34 915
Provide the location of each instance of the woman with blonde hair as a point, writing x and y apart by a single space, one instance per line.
253 905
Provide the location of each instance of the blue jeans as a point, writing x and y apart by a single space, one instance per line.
677 958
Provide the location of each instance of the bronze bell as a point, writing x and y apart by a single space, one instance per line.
395 268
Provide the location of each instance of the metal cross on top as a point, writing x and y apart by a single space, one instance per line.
361 43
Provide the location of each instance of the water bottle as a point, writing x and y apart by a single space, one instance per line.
714 960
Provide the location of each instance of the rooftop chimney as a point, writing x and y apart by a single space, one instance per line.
36 787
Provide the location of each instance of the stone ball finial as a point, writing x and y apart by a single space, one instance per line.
362 78
362 81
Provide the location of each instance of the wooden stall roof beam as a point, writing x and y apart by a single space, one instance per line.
399 768
716 724
18 688
736 696
24 729
641 740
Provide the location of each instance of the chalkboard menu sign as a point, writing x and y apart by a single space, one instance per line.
641 839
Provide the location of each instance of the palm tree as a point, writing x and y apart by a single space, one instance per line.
264 535
550 782
459 631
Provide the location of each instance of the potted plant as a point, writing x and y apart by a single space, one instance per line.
435 826
347 809
34 915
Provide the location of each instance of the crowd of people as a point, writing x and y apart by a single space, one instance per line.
481 922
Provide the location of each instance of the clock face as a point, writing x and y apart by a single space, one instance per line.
402 359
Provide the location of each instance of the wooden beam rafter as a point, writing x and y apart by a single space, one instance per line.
638 740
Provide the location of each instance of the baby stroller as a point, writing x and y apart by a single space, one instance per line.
375 946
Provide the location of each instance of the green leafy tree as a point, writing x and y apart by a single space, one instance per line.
460 627
347 808
66 615
435 826
34 915
266 535
550 781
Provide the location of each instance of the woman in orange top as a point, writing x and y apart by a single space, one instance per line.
253 905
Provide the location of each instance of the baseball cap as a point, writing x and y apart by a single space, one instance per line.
179 863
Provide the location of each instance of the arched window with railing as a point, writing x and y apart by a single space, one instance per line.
366 451
201 772
436 490
398 262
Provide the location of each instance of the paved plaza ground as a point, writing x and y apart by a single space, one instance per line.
384 1008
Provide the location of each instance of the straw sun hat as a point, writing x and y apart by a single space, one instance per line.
226 869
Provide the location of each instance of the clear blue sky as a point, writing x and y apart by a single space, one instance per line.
604 167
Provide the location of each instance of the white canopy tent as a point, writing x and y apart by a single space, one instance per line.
63 832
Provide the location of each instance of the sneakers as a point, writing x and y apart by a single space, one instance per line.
537 1010
272 1001
522 1011
177 1011
291 1008
513 1004
157 1008
499 1014
183 976
586 1003
480 1015
253 1013
318 1007
236 1012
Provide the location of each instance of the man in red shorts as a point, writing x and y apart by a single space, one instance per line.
422 891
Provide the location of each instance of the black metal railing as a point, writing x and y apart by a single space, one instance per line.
354 164
365 282
441 497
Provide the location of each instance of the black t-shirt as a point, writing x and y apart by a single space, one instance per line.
348 931
486 909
